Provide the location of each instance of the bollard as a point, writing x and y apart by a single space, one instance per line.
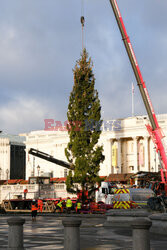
71 233
141 238
15 236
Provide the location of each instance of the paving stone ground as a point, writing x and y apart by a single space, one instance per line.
47 233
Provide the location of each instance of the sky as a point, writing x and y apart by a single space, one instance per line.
40 41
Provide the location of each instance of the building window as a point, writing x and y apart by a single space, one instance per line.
131 167
59 186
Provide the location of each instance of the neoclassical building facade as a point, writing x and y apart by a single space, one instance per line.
12 157
127 145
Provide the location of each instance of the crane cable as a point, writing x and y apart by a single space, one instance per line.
82 22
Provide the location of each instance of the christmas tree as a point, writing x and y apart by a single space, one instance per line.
84 116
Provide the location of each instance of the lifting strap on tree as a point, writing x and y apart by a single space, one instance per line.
82 22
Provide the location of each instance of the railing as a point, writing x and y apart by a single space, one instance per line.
22 194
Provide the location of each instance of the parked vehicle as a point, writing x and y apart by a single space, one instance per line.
158 203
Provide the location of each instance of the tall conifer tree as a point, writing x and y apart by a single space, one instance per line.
84 116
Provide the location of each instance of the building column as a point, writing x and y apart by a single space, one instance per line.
119 156
155 160
135 155
152 156
109 155
146 166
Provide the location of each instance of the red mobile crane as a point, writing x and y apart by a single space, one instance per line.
154 130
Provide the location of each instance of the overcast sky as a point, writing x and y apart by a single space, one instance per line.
40 41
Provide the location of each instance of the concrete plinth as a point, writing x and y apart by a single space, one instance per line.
15 236
123 218
159 223
141 238
71 233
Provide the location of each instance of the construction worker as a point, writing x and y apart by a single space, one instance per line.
68 205
34 209
25 192
60 205
78 206
40 205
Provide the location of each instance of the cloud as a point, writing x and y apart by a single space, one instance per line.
24 114
41 41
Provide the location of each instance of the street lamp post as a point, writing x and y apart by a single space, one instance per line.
38 169
7 174
33 166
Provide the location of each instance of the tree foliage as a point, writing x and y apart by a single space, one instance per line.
84 116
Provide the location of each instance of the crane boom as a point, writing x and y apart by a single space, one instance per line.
48 157
154 129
